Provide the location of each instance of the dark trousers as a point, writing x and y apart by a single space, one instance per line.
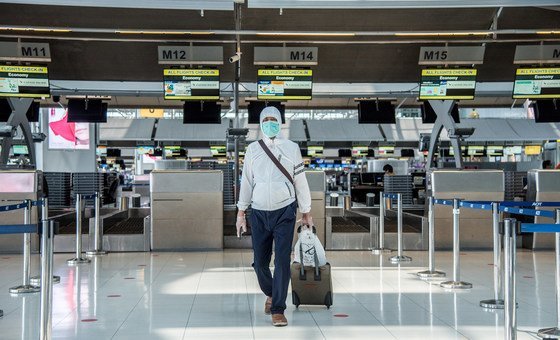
277 226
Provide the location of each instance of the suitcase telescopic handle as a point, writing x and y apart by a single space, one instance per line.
317 269
301 270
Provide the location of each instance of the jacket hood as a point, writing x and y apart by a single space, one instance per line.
270 111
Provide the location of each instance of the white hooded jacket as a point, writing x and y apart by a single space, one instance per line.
263 185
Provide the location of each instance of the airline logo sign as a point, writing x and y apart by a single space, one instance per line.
454 55
533 54
24 51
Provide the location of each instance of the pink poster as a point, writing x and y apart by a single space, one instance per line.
64 135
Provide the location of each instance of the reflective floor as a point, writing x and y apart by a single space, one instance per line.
214 295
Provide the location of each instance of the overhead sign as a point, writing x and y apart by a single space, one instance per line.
537 54
537 83
151 113
451 55
191 84
191 55
284 84
24 51
24 81
448 84
304 56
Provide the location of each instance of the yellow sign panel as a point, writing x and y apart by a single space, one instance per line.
533 71
532 150
151 113
301 73
24 69
449 72
190 72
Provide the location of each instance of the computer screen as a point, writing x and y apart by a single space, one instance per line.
376 112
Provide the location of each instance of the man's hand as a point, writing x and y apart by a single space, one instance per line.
306 219
241 223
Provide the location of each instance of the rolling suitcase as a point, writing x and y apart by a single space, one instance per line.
311 285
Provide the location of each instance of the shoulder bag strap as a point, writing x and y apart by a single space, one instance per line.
276 162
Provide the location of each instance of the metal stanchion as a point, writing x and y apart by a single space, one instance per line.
98 233
381 237
36 280
496 302
399 257
26 286
431 272
554 332
78 259
510 316
456 283
47 235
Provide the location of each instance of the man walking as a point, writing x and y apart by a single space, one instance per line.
273 178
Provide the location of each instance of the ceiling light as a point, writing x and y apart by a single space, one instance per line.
32 29
162 32
439 34
548 32
311 34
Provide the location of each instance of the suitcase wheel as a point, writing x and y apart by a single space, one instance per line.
328 300
295 299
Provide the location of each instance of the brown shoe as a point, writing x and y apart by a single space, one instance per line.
267 305
279 320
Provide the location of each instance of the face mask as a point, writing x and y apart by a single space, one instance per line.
270 128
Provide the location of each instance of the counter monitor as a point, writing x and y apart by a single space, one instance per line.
495 151
284 84
448 84
24 81
315 151
386 151
476 150
533 83
20 150
191 84
218 150
359 151
172 151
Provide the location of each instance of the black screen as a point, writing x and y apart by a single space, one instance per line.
368 178
202 113
547 111
303 152
344 152
5 110
376 112
255 108
87 111
429 115
407 153
371 153
113 152
33 112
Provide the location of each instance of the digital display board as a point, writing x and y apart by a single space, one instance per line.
20 149
452 151
191 84
172 151
537 83
447 84
218 150
513 150
386 150
314 151
533 150
24 81
495 151
284 84
145 150
359 151
475 150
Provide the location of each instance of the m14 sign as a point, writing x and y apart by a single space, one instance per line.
303 56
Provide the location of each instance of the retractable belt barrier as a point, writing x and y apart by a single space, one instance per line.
380 249
46 230
399 257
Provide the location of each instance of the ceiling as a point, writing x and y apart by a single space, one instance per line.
92 50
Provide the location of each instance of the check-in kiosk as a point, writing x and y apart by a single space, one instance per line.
470 185
187 210
17 186
542 186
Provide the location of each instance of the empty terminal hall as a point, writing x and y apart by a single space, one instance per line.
287 169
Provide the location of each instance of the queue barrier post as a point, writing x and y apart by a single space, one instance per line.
497 302
47 236
510 305
554 332
456 283
431 272
36 280
399 257
97 231
381 237
26 286
78 259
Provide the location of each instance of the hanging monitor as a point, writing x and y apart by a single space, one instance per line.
495 151
255 108
202 113
533 83
429 115
376 112
284 84
33 112
87 111
24 81
547 111
191 84
448 84
5 110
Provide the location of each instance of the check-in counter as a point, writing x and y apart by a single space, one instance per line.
542 186
187 210
471 185
317 186
16 186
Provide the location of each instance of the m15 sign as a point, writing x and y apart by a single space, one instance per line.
451 55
